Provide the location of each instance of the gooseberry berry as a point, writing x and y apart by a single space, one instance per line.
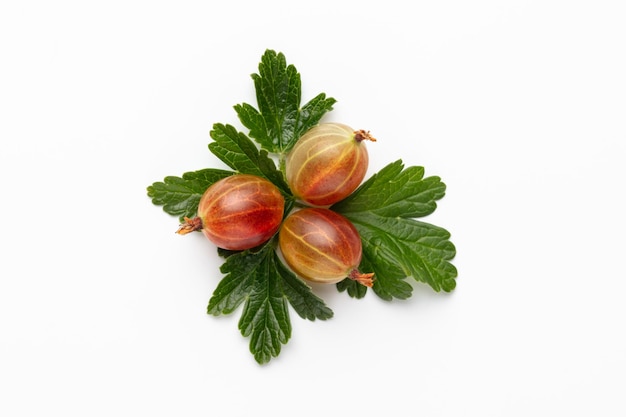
327 163
321 245
238 212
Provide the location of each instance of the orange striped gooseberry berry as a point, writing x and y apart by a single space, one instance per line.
323 246
327 163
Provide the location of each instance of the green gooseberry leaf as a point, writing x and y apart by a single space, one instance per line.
265 286
395 244
180 196
237 151
279 121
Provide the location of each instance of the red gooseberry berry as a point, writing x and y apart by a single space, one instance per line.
323 246
327 163
238 212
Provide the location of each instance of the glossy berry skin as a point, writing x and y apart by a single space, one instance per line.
327 163
238 212
321 245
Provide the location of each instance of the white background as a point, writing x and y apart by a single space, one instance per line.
520 107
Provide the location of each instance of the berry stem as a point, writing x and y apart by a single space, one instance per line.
363 279
190 225
361 135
